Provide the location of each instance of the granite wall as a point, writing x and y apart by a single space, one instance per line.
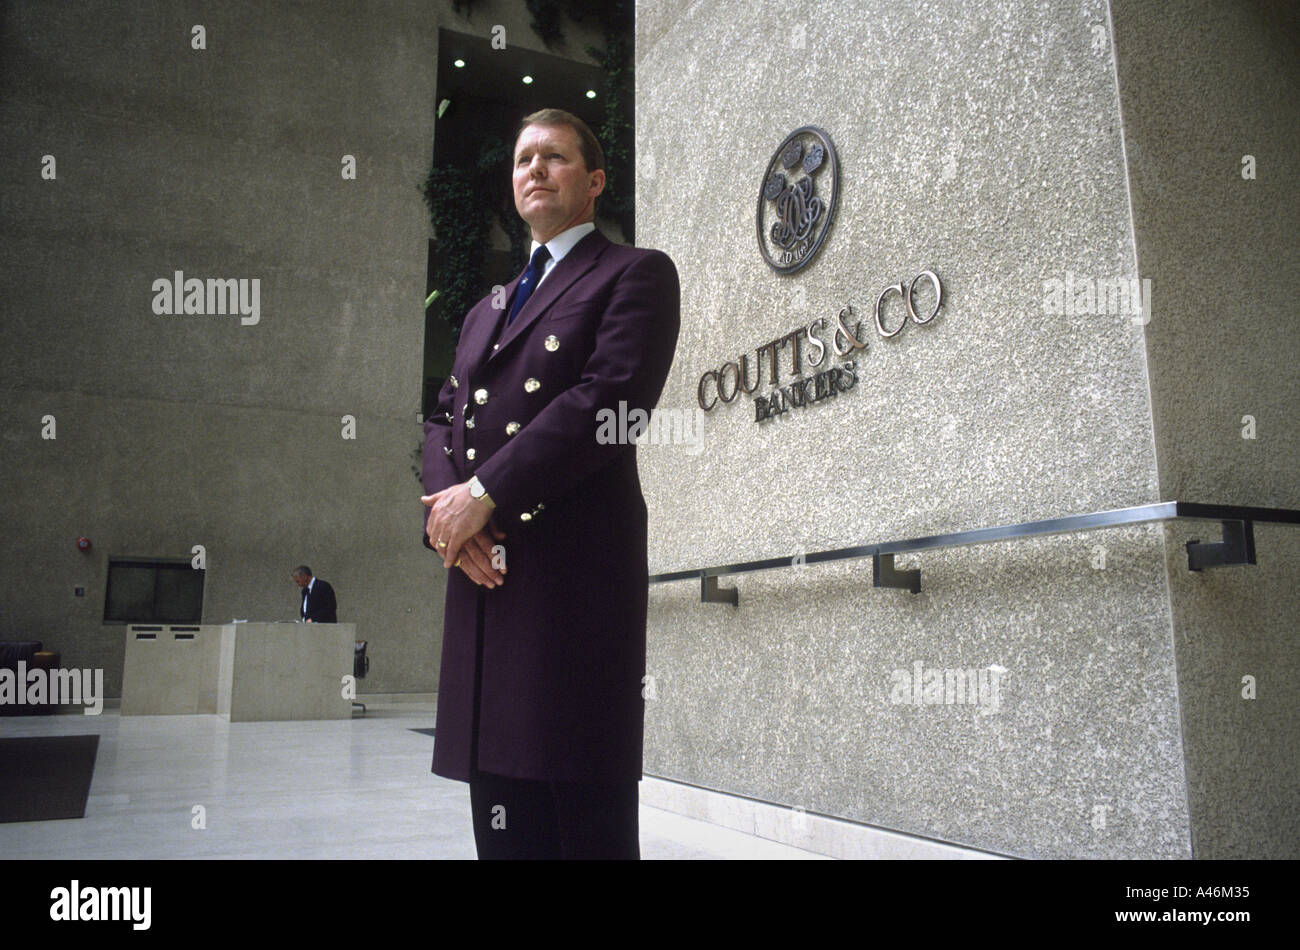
984 141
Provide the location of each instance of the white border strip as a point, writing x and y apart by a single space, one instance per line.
832 837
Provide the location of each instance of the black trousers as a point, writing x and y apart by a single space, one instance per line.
516 818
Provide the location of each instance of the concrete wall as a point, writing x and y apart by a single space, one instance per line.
1224 344
984 141
174 431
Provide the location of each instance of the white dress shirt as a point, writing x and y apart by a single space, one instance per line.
561 245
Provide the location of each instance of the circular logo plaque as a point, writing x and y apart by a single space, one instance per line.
797 198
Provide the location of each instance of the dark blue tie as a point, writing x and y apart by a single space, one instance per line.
536 268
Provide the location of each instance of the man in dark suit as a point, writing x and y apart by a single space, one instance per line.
537 512
318 603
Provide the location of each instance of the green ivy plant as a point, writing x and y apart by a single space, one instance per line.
455 197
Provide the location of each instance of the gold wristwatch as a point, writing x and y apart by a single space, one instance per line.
476 490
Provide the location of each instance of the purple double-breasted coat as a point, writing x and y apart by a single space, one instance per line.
562 654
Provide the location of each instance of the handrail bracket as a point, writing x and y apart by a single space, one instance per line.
883 574
711 593
1237 547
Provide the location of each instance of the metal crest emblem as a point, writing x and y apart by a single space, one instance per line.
797 198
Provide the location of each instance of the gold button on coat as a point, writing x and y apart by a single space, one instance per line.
469 454
480 396
454 381
552 343
525 517
469 422
512 428
532 384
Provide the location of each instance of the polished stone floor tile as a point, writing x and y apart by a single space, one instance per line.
201 787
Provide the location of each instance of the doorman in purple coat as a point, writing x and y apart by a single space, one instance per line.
538 515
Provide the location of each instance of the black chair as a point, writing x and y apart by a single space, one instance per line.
360 667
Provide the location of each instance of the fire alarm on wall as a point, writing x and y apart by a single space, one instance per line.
83 544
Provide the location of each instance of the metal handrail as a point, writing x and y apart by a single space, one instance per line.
1237 546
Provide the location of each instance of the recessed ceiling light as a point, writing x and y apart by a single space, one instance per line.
591 93
527 80
459 64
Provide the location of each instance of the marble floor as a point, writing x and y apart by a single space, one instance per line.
328 789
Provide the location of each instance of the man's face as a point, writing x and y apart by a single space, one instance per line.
302 580
553 189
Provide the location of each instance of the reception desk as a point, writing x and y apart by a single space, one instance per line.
245 672
285 671
171 669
